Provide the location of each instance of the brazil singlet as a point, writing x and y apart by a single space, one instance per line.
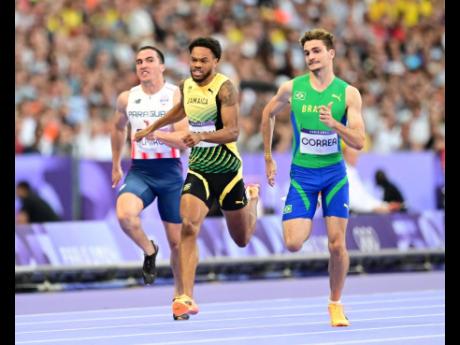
315 145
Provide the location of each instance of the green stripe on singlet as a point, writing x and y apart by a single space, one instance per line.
336 189
302 194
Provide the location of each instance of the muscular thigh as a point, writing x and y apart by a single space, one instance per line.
136 184
169 194
303 193
335 195
298 229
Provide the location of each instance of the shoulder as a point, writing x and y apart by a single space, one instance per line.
285 88
122 99
287 85
352 93
170 87
228 93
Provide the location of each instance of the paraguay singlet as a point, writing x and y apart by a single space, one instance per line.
202 107
315 145
143 110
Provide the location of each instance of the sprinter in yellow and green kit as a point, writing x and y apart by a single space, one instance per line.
324 111
210 103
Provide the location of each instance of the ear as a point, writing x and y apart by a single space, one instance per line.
162 68
332 53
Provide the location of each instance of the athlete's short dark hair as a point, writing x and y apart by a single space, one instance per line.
207 42
318 34
24 185
158 51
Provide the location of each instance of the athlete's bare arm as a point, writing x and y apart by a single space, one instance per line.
228 96
118 136
176 114
273 108
353 134
174 139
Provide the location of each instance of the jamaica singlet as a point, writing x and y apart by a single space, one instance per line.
315 145
203 112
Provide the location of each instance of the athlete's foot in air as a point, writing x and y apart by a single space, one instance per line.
149 270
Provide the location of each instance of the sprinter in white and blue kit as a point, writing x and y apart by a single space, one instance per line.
156 170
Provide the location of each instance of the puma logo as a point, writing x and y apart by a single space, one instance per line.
336 96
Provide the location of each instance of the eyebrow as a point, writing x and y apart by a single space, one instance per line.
313 48
147 58
199 58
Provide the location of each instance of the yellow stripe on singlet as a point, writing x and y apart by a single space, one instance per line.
230 186
205 183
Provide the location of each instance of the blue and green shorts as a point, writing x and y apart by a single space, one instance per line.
307 183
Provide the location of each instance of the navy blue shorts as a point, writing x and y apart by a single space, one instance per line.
162 178
306 183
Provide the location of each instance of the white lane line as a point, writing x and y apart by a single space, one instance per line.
346 298
265 317
219 340
380 340
242 310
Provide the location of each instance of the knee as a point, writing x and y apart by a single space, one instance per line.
293 246
174 246
242 241
126 220
337 247
189 228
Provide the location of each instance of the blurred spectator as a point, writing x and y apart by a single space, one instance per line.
361 201
33 208
73 57
391 193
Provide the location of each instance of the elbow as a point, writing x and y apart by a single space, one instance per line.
234 133
359 146
359 143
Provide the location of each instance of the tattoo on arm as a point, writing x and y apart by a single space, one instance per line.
228 94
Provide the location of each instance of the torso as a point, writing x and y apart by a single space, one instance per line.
142 111
202 108
315 145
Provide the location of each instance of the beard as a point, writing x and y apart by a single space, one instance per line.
203 77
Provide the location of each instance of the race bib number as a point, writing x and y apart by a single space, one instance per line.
203 127
317 142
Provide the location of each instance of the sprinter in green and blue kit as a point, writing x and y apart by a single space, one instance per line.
324 111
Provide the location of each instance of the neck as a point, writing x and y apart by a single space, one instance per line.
320 79
152 86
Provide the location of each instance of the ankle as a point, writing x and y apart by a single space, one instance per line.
334 302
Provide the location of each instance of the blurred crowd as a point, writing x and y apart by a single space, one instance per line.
74 57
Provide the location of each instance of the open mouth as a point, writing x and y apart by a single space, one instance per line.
197 73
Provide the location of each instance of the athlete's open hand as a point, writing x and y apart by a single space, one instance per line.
117 174
270 171
191 139
325 115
